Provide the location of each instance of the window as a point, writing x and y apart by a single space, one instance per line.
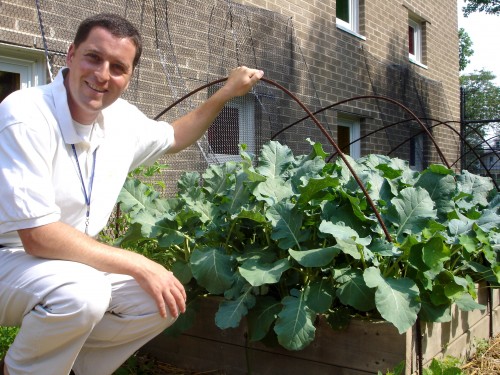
20 68
415 41
234 126
348 131
347 16
417 152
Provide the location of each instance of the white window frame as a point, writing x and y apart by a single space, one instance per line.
29 64
354 126
418 38
246 121
352 26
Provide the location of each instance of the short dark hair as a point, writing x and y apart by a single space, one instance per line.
116 25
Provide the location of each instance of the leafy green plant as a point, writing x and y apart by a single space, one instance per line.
283 239
7 336
445 366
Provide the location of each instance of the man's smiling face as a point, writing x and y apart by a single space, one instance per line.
100 69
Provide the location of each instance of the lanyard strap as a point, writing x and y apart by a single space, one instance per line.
91 183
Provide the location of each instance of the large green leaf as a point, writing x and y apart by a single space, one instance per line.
411 211
217 178
212 269
316 185
136 196
294 326
273 190
441 188
319 295
257 273
396 299
287 225
262 316
435 253
475 186
315 257
275 160
230 312
353 290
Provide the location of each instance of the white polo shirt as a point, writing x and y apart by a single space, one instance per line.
39 178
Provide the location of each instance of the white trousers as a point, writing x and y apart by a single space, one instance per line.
72 316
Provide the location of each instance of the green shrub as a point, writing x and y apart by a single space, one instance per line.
7 336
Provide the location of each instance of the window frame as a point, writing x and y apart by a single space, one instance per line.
418 41
29 63
353 25
354 125
246 126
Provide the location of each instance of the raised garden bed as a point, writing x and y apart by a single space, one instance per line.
364 347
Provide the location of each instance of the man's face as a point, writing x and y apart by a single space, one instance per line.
99 72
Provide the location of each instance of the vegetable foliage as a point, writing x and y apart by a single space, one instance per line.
284 239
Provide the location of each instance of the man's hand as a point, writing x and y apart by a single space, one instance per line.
190 127
60 241
163 286
241 80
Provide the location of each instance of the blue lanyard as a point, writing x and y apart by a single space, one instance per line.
91 182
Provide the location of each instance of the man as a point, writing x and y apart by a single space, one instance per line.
66 148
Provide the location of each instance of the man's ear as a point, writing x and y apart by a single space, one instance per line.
71 53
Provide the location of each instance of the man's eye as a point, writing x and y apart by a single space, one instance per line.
118 68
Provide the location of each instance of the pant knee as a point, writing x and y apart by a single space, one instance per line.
84 300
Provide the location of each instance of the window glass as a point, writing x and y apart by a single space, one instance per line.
414 40
411 40
343 10
348 134
10 83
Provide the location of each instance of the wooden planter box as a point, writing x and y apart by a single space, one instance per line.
365 347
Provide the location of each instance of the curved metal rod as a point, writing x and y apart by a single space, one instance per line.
322 129
463 138
410 112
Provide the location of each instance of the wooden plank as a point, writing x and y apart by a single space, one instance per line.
365 347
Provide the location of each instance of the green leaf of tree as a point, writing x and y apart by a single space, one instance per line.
294 326
213 269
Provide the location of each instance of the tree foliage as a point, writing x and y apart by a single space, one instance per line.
465 48
482 102
486 6
482 96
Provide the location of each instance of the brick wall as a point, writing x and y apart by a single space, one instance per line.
299 46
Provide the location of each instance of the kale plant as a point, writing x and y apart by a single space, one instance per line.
283 239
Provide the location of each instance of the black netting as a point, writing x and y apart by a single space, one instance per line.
189 44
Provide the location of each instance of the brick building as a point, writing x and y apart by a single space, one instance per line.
370 55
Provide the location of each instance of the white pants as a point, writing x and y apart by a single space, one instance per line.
72 316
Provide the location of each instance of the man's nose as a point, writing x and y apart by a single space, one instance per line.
102 72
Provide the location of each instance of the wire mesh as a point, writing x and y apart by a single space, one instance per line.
191 43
